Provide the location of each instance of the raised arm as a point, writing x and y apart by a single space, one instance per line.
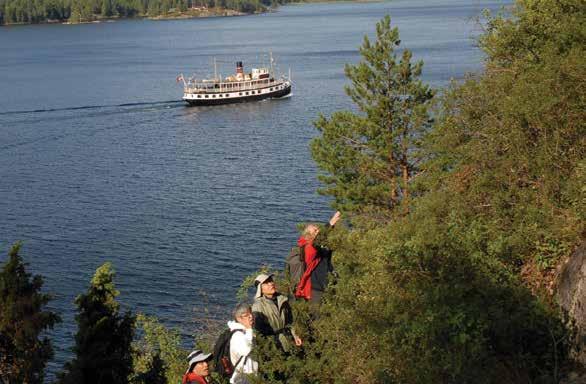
335 218
323 234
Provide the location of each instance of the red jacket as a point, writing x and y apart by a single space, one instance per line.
311 261
193 378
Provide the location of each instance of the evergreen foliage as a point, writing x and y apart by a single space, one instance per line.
103 340
368 158
158 355
76 11
23 352
510 144
459 289
155 372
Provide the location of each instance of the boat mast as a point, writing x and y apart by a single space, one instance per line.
215 70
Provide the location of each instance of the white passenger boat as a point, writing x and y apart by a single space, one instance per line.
259 84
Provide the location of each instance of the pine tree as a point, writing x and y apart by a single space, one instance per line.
75 16
106 9
103 341
23 354
157 352
366 158
155 373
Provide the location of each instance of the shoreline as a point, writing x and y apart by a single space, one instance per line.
194 13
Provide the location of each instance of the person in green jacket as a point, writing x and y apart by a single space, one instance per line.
272 313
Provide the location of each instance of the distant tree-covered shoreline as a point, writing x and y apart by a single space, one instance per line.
79 11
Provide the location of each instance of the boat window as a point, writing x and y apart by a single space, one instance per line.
227 95
207 96
240 93
199 96
271 89
247 93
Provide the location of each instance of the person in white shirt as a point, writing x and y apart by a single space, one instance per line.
241 344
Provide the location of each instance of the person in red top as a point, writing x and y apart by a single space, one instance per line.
314 279
198 372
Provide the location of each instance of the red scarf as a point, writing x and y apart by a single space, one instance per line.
311 261
191 377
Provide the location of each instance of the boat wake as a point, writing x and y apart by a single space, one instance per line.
90 107
75 117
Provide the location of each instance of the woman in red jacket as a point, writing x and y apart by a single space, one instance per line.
198 372
314 279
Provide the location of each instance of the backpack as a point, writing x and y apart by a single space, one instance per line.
295 266
222 363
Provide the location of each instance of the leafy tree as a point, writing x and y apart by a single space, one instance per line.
75 14
39 11
511 143
367 158
158 352
103 341
155 373
23 353
154 8
106 9
459 290
535 30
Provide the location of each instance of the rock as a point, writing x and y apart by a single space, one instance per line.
571 295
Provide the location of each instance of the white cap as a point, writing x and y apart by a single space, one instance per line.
196 357
260 279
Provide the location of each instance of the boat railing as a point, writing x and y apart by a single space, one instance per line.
230 86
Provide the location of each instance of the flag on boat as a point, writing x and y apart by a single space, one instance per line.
179 78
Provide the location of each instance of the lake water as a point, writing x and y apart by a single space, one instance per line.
101 161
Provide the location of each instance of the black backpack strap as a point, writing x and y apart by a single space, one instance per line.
238 362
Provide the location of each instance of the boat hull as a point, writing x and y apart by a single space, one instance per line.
239 99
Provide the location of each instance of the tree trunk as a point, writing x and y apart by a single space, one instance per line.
405 175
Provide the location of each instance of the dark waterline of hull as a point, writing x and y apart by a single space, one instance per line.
243 99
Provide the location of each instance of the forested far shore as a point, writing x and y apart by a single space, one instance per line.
79 11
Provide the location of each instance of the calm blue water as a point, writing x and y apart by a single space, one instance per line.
100 161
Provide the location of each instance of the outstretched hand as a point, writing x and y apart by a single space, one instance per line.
298 341
335 218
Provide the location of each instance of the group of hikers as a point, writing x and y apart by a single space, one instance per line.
270 315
